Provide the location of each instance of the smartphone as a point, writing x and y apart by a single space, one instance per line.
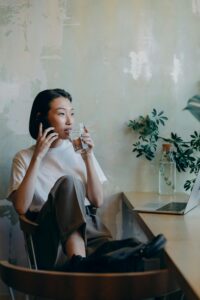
45 124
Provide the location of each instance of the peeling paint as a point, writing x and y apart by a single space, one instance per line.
104 52
6 14
21 27
139 66
66 15
177 69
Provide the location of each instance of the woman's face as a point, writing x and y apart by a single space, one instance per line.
61 116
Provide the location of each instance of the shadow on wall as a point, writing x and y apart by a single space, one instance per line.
10 144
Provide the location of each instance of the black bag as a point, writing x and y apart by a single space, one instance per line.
128 255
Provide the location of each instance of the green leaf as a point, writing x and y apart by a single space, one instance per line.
164 118
162 122
154 112
185 153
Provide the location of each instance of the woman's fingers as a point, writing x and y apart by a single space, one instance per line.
40 131
43 134
47 131
45 141
51 137
88 140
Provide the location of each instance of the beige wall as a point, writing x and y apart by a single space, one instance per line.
118 58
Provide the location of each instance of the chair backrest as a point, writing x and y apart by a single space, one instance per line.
88 286
28 227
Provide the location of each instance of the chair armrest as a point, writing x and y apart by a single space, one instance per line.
26 225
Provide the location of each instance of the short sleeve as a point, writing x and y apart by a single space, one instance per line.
18 171
99 170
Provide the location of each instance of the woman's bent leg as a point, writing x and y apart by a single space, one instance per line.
62 218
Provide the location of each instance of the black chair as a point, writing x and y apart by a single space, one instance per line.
28 228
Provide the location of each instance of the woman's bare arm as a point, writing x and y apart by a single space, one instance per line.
94 188
23 196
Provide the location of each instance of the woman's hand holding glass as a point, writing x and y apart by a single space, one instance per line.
82 141
86 138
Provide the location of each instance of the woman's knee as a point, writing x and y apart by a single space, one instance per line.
69 183
66 181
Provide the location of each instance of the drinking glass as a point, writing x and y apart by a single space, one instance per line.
76 138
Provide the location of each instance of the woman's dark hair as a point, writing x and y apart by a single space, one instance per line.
41 106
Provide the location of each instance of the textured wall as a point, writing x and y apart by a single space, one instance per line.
118 58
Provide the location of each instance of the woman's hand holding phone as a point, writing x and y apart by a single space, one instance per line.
44 140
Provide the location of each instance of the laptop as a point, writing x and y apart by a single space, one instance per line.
184 204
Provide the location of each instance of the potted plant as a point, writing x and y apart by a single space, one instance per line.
185 152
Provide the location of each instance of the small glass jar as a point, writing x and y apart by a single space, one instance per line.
167 171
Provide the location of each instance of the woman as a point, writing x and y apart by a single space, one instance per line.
60 189
57 187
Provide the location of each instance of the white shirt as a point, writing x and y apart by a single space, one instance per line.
58 161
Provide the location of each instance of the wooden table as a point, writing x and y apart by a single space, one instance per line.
183 240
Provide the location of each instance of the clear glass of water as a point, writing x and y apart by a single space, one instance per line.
76 138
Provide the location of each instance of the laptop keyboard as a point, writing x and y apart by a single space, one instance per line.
173 206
